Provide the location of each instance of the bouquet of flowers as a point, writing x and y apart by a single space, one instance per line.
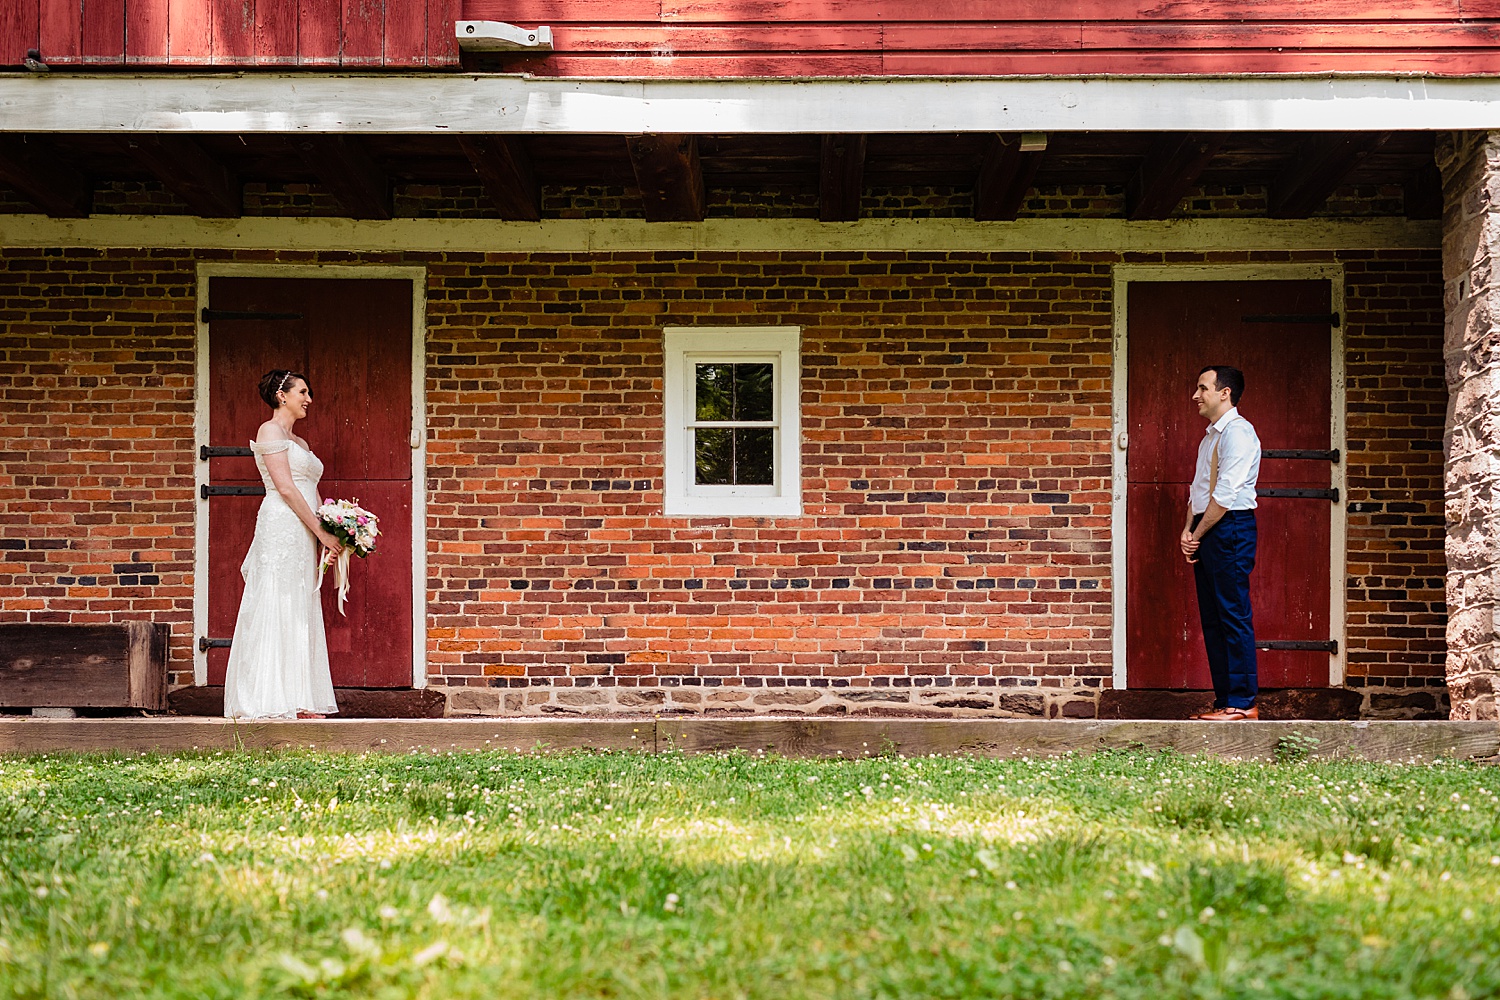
357 528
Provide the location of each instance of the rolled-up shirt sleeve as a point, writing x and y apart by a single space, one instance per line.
1239 466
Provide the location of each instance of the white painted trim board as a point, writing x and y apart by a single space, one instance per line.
455 103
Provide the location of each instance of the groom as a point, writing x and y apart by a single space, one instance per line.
1219 540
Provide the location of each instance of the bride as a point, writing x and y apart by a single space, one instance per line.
278 662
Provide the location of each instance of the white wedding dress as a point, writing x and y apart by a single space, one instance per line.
278 662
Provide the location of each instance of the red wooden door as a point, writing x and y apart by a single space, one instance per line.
1174 329
352 338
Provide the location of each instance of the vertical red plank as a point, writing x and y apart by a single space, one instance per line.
61 30
189 32
20 30
405 34
146 31
364 22
319 32
103 38
234 32
275 33
442 42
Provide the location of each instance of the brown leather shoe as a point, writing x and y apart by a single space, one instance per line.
1231 714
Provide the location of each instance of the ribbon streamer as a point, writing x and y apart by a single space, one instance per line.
340 565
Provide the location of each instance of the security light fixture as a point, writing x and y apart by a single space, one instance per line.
499 36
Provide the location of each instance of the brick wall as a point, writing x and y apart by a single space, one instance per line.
954 557
1396 399
96 432
956 472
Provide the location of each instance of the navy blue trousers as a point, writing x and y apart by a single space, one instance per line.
1226 555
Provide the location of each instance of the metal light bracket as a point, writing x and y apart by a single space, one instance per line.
500 36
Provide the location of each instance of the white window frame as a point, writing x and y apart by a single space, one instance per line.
685 347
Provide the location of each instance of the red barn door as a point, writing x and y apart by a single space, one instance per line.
1278 333
353 340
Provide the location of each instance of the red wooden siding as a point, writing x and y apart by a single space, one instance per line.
390 34
800 38
777 38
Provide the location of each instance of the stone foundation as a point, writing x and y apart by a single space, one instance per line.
1420 698
694 699
1470 163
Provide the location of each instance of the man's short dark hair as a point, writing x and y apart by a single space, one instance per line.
1229 378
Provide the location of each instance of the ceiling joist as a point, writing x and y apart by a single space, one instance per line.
505 170
344 167
841 177
1005 175
1423 193
208 187
34 168
1319 166
670 176
1168 172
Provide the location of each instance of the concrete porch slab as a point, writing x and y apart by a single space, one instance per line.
1370 740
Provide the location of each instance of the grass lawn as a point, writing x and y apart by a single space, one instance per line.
624 875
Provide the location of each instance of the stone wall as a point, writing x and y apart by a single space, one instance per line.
1470 163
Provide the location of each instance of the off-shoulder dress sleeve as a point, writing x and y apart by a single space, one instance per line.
270 447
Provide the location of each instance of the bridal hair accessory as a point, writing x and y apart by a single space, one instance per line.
284 380
357 528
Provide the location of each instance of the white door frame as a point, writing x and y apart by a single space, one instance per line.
1124 274
418 278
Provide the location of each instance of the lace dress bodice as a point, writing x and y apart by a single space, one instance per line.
307 468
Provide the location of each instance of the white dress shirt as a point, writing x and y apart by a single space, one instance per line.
1238 466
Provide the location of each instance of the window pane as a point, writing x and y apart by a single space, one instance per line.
713 449
753 462
753 387
734 456
734 392
714 391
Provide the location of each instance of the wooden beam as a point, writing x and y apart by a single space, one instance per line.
1319 165
34 168
505 170
1423 195
614 235
841 177
669 175
343 166
858 738
1375 739
188 171
1005 176
300 103
1167 172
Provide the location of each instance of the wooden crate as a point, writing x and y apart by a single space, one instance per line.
84 666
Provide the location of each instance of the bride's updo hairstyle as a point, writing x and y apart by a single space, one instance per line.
277 380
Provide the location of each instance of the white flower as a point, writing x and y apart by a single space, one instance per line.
358 942
430 954
439 910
